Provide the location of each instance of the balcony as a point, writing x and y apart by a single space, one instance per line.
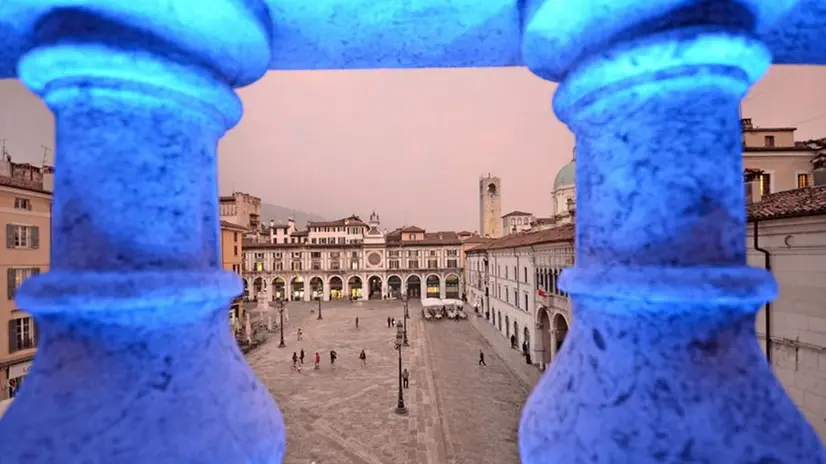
136 363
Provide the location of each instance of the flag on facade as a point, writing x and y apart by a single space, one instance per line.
541 292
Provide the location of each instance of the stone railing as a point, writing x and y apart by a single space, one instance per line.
662 363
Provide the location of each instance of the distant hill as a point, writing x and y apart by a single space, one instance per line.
281 214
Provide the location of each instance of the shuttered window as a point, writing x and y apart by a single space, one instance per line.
19 236
16 276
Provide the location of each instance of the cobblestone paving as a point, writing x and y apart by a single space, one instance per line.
345 414
480 405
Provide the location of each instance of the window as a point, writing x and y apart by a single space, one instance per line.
315 255
16 276
259 256
453 252
452 263
354 265
507 295
526 302
354 255
335 255
22 203
21 334
506 272
413 264
277 255
258 266
312 240
769 141
296 255
316 265
236 250
235 236
765 183
335 265
18 236
516 297
411 236
279 266
393 263
295 265
432 252
411 253
802 181
432 263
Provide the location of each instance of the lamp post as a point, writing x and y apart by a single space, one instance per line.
281 314
319 309
406 316
400 408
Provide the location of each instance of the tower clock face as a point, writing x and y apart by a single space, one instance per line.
374 258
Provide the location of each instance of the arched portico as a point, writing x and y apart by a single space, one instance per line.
317 288
354 285
297 288
543 337
394 284
336 288
558 333
279 288
246 289
257 287
374 288
452 289
414 286
434 286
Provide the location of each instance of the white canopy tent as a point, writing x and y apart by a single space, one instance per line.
432 303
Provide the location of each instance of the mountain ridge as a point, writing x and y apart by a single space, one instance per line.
280 214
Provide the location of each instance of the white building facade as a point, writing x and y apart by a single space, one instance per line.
352 259
790 230
512 283
517 221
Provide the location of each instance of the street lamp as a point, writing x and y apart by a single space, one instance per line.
406 316
400 409
319 309
281 314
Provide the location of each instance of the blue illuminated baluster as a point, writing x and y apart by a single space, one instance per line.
662 363
136 363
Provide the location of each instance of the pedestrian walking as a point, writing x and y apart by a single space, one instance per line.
388 322
317 360
363 358
393 322
482 358
295 361
301 356
405 378
299 334
357 322
333 356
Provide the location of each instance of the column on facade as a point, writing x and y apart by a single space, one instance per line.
443 285
664 303
135 360
308 289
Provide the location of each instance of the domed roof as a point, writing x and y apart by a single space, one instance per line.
566 175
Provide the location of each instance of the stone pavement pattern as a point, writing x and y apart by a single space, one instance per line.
345 414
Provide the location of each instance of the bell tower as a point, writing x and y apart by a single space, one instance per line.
490 207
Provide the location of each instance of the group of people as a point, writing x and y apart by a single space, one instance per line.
298 359
392 322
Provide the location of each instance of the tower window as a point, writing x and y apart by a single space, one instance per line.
492 189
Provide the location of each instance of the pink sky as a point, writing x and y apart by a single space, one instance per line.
410 144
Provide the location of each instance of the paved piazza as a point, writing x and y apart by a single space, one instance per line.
458 412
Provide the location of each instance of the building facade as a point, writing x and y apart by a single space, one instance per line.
25 212
517 221
787 235
512 283
783 163
242 209
232 259
352 259
490 206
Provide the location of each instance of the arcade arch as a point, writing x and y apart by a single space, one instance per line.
336 286
434 286
452 287
354 285
414 286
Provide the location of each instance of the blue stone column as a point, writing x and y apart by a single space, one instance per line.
662 363
135 363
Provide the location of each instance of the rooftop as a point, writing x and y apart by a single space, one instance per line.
563 233
791 203
517 213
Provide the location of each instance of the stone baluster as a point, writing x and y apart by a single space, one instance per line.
136 364
662 363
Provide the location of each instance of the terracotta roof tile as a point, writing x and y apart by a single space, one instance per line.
29 185
232 226
563 233
791 203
